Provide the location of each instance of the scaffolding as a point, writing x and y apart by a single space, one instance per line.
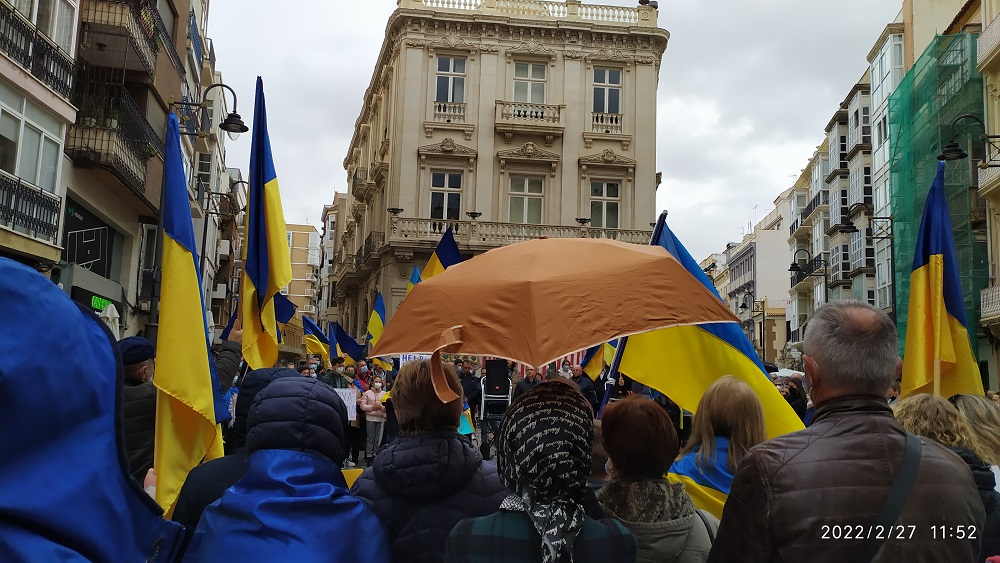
942 85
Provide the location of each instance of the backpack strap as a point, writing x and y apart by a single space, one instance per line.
708 526
893 506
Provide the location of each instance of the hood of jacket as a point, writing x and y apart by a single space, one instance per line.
72 439
253 383
289 506
659 514
426 466
299 414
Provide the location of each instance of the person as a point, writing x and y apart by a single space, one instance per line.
513 372
293 488
598 475
544 459
893 393
641 443
355 429
796 397
138 403
421 485
374 409
586 387
530 381
984 419
472 387
567 369
206 483
334 375
363 374
938 419
66 492
791 493
304 371
995 397
728 422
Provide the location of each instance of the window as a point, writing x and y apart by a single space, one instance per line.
446 195
529 83
604 204
55 18
607 90
288 235
30 140
450 80
526 200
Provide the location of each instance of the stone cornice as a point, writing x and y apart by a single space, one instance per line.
529 153
607 160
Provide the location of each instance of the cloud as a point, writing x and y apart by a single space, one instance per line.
746 89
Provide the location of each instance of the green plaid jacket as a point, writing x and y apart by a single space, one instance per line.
510 537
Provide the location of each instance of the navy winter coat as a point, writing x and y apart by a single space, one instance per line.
422 486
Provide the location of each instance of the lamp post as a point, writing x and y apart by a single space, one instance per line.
952 151
757 306
795 268
233 125
880 229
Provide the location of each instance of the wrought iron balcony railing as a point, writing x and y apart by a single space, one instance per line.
23 43
195 36
29 209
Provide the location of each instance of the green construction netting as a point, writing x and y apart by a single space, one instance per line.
942 85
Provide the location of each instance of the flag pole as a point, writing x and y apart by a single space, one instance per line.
937 377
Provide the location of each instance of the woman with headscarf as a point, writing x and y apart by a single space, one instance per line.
544 460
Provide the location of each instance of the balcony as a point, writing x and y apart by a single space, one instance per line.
530 119
987 44
29 210
224 249
820 200
112 133
606 123
990 305
449 112
977 211
220 291
642 16
492 234
194 36
120 34
29 48
307 309
808 271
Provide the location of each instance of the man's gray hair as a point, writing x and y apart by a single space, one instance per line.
855 346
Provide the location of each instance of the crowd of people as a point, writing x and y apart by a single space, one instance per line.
873 477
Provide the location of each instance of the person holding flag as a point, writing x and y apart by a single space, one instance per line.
268 266
938 356
187 432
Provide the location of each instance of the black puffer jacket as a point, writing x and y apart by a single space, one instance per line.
422 486
139 425
986 482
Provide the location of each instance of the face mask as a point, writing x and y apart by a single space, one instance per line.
340 371
312 375
364 369
312 367
378 385
566 368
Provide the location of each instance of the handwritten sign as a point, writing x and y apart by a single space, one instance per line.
404 358
350 399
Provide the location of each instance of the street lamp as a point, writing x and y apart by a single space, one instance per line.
474 214
796 269
395 211
758 306
584 221
880 229
233 125
952 151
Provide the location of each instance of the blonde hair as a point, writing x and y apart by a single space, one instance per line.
729 408
984 419
935 418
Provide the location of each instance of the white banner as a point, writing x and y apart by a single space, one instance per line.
404 358
350 399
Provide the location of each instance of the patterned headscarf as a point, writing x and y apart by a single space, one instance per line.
545 448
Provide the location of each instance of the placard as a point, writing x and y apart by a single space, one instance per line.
405 358
350 398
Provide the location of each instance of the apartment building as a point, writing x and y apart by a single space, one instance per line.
37 60
333 216
306 254
808 243
505 121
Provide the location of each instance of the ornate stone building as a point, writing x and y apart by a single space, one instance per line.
505 119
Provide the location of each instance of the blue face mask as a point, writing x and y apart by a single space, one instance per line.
364 369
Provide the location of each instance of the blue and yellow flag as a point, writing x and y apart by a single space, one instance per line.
938 355
349 347
268 267
186 430
376 326
335 349
593 361
700 354
414 279
445 256
316 341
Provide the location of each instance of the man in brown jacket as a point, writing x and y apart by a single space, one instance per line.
799 496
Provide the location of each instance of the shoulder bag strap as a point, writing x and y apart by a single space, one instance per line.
893 506
708 526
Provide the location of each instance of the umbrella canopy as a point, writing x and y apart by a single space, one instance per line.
539 300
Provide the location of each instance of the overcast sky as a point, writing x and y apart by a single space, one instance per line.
746 89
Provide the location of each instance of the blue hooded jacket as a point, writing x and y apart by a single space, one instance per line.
65 491
292 504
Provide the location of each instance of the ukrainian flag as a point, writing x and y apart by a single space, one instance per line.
700 354
316 341
414 279
268 267
335 348
186 429
376 326
347 346
938 355
593 361
445 256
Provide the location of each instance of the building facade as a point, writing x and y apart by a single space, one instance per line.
504 121
306 254
333 217
988 63
38 48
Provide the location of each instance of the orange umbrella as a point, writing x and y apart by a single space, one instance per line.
536 301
